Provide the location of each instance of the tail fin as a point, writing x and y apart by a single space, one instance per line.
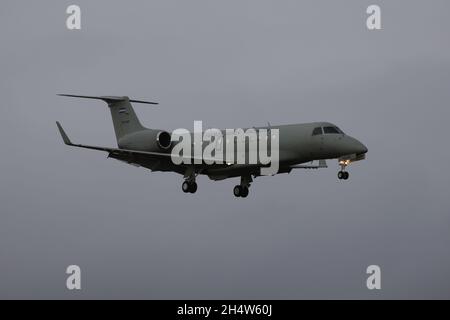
124 118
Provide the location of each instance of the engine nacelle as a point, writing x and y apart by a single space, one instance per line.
147 140
164 140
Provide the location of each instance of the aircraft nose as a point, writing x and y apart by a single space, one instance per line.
360 148
355 146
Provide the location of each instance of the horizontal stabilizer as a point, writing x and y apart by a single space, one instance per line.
130 153
107 99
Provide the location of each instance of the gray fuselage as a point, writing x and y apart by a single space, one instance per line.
297 144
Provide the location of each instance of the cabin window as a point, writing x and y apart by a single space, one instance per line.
331 130
317 131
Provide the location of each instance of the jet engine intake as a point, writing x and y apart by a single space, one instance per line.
164 140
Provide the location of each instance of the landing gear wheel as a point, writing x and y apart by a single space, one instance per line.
343 175
189 187
244 192
193 187
237 191
185 187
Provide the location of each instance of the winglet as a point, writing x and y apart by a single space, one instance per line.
63 134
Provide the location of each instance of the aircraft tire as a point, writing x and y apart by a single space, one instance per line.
185 187
244 192
237 191
193 187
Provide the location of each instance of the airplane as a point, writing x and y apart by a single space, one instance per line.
299 146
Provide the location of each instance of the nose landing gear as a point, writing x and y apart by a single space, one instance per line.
343 175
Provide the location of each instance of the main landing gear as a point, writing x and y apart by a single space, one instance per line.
189 186
343 175
241 190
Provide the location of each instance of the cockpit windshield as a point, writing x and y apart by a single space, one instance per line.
332 130
326 130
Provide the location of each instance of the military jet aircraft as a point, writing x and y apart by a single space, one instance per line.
299 146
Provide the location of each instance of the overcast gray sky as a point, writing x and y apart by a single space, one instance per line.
231 64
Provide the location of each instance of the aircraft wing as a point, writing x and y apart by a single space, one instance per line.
117 151
322 164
